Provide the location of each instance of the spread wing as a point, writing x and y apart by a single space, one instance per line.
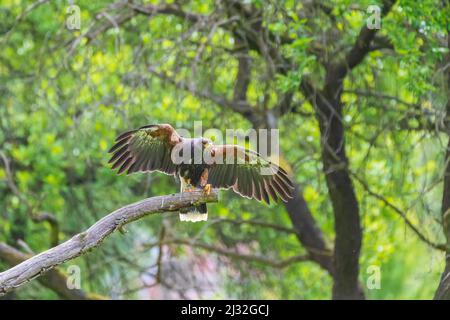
248 174
145 149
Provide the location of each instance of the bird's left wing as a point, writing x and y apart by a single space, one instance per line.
248 173
145 149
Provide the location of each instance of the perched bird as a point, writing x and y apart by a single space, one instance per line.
199 164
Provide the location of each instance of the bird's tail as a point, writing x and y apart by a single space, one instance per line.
194 213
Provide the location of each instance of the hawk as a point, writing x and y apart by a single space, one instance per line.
199 164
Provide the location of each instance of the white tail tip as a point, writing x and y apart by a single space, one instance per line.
193 217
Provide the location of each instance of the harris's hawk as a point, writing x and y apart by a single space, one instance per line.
199 164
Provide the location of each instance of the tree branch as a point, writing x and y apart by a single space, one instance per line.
55 280
360 49
329 106
443 290
271 262
241 107
409 223
257 223
168 9
85 241
135 9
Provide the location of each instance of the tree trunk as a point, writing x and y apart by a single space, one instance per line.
443 291
307 231
347 227
309 235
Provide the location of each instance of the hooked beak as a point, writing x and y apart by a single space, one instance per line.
209 145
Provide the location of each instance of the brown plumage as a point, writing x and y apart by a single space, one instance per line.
160 148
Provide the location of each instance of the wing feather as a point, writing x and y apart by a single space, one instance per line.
121 160
145 149
118 145
271 190
282 186
265 195
118 154
244 174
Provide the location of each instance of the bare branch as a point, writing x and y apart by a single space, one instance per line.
85 241
401 213
169 9
55 280
272 262
255 223
241 107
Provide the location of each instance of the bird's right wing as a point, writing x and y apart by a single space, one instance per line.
145 149
242 170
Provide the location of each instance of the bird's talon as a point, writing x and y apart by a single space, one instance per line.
207 189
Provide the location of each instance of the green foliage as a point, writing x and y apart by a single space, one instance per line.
63 102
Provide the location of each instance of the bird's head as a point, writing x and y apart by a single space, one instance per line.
206 143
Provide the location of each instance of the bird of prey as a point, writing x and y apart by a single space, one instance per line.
158 147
